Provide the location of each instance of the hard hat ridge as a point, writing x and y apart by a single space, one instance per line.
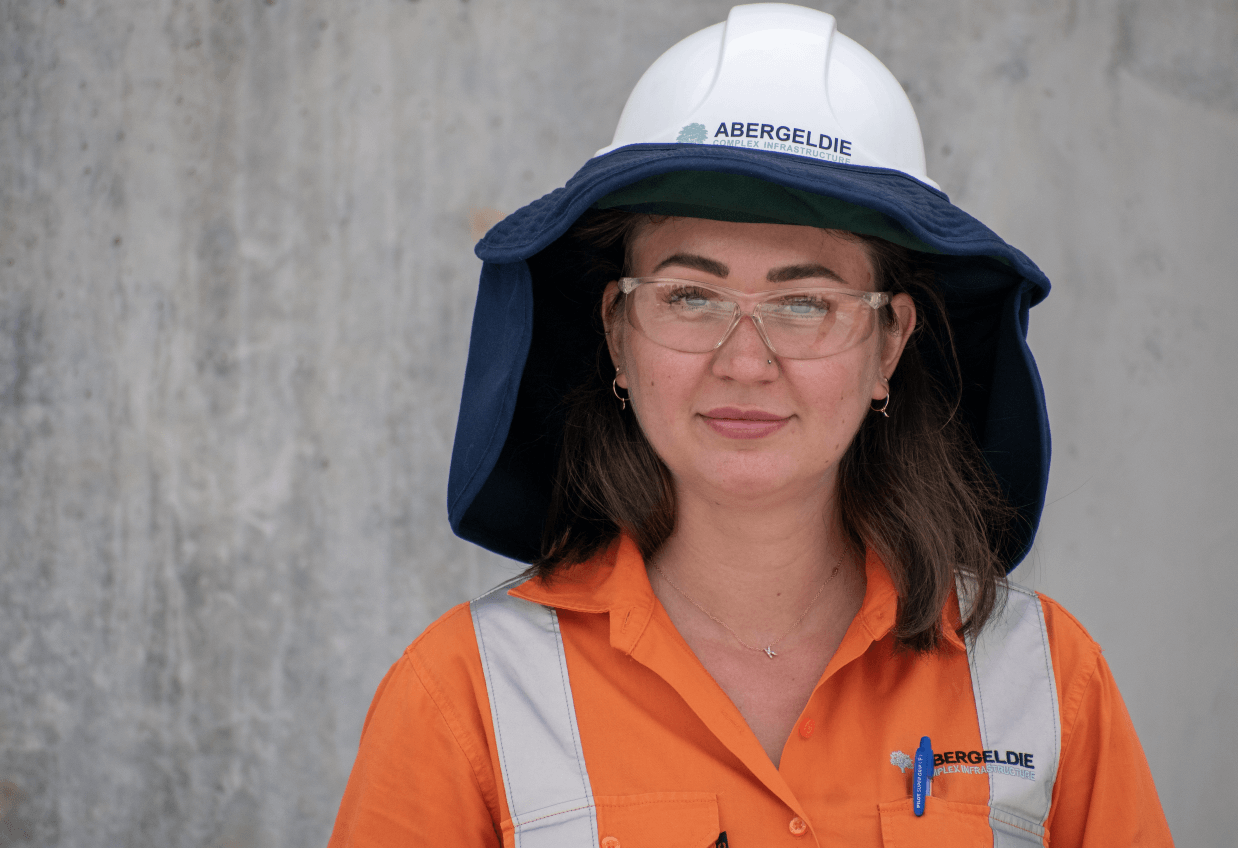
780 78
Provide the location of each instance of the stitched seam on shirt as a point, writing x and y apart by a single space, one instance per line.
1044 638
1083 680
647 616
706 801
1048 658
454 725
552 815
567 699
1015 820
1057 729
974 668
494 721
1082 687
458 609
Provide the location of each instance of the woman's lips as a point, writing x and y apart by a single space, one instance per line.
743 423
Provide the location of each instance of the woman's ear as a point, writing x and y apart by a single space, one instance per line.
904 309
612 322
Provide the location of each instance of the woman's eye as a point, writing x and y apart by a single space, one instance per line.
800 307
691 298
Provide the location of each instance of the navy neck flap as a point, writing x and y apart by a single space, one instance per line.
536 332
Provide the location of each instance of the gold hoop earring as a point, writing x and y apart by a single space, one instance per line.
614 388
882 409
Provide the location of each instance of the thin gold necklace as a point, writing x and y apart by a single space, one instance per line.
768 650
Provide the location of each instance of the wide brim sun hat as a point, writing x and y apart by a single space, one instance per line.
770 117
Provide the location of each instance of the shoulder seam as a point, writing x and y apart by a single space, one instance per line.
1023 590
442 703
1058 609
434 625
1069 741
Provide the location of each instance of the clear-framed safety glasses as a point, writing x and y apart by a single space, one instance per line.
799 323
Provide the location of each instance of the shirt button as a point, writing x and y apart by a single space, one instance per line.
807 728
610 842
798 826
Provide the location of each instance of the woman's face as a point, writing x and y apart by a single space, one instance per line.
740 421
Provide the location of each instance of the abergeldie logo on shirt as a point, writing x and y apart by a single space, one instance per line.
1014 763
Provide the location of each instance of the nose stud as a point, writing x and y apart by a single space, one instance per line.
769 362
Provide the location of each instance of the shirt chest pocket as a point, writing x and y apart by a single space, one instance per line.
658 819
652 820
948 823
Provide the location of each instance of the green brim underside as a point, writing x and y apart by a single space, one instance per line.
748 200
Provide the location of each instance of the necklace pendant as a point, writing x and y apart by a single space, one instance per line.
770 652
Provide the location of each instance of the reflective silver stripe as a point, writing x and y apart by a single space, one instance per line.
544 775
1016 702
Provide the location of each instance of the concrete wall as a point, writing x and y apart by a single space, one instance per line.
235 290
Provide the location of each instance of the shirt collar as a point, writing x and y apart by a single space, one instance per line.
880 607
615 582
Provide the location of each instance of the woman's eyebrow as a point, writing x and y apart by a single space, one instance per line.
801 272
692 260
785 274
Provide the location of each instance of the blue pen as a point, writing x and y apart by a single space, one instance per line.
922 775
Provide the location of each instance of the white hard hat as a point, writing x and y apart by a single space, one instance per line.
779 78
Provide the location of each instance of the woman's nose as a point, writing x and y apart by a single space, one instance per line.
744 353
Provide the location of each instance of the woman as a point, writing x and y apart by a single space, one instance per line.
754 400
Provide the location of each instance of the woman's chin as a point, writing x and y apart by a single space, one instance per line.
755 483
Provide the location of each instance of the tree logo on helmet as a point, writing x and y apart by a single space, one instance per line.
693 134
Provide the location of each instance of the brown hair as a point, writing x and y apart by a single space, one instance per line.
915 488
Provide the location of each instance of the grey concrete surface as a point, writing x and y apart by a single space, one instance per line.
235 288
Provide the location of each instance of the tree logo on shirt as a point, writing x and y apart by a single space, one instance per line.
693 134
898 758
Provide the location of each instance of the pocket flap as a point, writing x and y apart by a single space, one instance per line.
950 823
658 819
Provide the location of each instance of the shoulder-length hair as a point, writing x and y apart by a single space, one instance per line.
913 487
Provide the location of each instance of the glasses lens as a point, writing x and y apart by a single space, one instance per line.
799 324
812 324
681 315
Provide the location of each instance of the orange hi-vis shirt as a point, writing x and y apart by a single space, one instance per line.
671 761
